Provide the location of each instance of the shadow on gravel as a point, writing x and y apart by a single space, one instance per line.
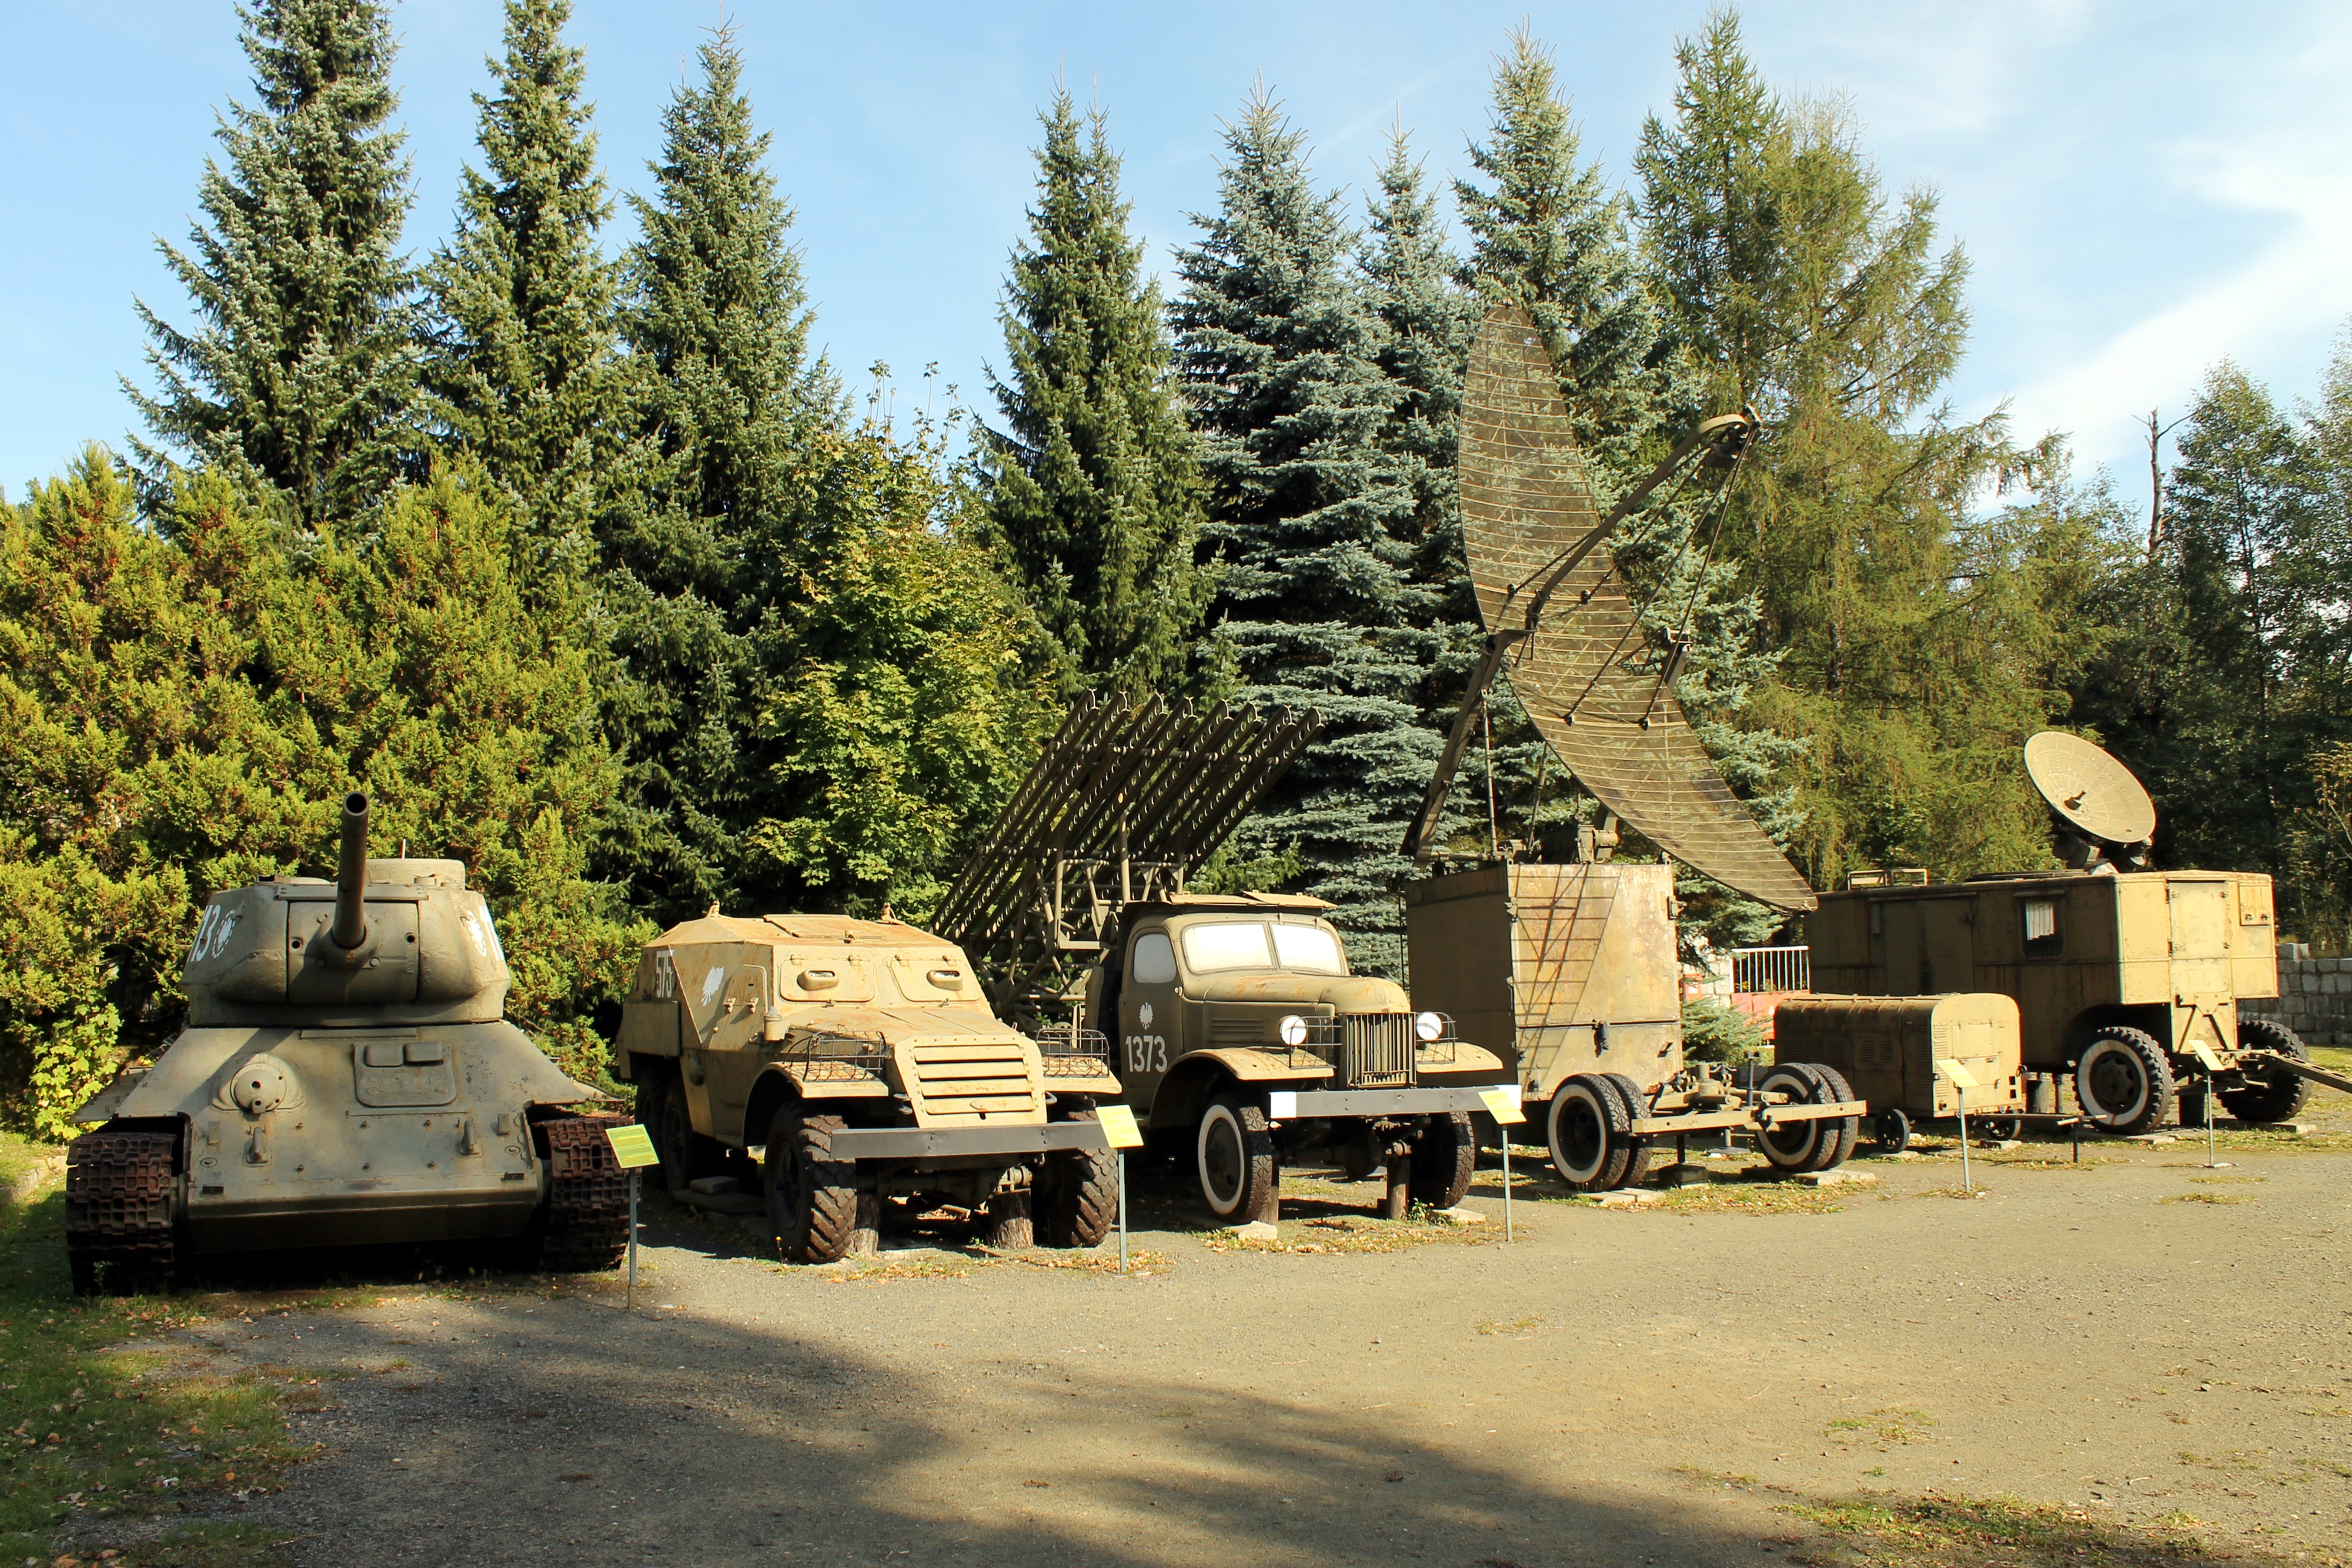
573 1436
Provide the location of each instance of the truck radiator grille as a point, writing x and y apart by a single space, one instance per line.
1375 1050
973 1084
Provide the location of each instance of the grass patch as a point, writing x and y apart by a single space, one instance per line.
2209 1197
1354 1234
1964 1533
106 1440
1518 1328
1756 1197
1963 1193
1892 1426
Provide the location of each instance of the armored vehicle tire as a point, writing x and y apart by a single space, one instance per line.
1444 1157
811 1196
1585 1129
2124 1081
1891 1132
119 1190
1796 1145
1241 1176
1838 1136
584 1224
2276 1095
686 1155
1637 1148
1078 1195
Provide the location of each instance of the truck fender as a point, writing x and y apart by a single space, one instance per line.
1198 1075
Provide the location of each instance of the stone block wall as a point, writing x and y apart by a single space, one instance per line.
2314 997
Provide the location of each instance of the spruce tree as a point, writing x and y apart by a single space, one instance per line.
522 371
725 397
1092 487
304 368
1548 230
1314 521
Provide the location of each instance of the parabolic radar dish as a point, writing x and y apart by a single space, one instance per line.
2091 791
1587 674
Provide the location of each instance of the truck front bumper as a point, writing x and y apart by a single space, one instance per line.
1288 1104
948 1143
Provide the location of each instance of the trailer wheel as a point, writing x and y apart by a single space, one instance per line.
1892 1131
2275 1096
2000 1129
1241 1178
1585 1128
1443 1158
2124 1081
1794 1146
1637 1148
1838 1136
1078 1196
811 1196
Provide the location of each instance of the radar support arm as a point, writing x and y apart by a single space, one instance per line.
1721 439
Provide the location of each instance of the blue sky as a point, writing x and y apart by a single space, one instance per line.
2142 189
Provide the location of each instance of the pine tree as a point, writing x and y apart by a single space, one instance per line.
1092 488
522 371
1314 519
304 370
725 398
1551 233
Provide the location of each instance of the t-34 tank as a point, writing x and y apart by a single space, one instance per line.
347 1076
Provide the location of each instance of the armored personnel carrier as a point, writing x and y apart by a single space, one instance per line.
347 1076
857 1062
2127 978
1242 1039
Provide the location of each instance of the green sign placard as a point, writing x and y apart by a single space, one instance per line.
633 1146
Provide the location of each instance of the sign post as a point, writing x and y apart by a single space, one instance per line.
1118 1126
1504 1106
1962 1081
632 1149
2212 1065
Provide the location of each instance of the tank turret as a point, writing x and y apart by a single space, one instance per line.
347 1075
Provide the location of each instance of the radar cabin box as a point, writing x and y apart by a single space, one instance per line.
1888 1049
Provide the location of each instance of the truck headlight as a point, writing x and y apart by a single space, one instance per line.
1294 1029
1429 1027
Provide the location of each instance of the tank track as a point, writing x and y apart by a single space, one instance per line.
587 1221
118 1191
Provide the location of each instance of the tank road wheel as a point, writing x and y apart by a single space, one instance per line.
1586 1130
2124 1081
119 1185
1443 1158
1795 1145
2271 1095
1078 1195
685 1155
811 1196
1241 1176
585 1225
1838 1136
1891 1132
1637 1148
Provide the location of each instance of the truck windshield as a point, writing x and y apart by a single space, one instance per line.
1308 950
1209 949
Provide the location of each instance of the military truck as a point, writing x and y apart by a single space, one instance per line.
1240 1034
1549 948
854 1065
347 1075
2127 979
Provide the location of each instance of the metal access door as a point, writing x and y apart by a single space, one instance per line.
1148 1038
1930 945
2200 937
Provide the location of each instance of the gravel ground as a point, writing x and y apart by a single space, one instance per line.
2141 1338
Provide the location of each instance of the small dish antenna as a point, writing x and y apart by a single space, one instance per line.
2104 814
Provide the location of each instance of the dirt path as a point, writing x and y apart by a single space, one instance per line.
1620 1387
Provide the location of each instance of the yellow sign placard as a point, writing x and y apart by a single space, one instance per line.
1959 1077
1118 1126
2205 1054
1502 1106
633 1146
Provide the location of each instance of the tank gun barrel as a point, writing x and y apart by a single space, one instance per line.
351 926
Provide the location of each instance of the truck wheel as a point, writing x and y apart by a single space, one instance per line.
1795 1145
2274 1096
2124 1081
686 1156
811 1196
1892 1131
1078 1196
1637 1147
1586 1129
1241 1178
1443 1158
